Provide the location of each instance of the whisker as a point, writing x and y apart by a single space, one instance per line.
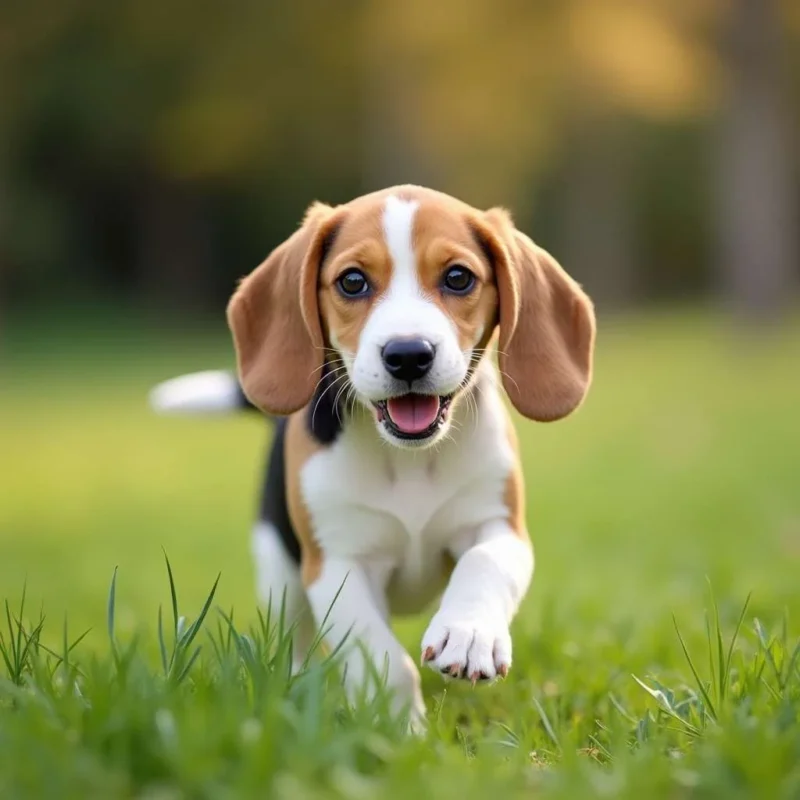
353 398
508 377
324 392
344 387
338 355
325 375
327 364
483 350
472 406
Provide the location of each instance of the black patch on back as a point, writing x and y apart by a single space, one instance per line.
324 419
325 413
274 509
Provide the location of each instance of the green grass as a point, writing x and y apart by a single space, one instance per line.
638 671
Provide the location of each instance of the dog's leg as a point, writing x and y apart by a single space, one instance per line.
468 637
279 584
359 613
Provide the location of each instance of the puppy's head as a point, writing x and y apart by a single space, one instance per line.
397 296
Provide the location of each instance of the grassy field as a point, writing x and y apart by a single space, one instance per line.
679 477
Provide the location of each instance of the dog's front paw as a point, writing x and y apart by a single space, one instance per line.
462 646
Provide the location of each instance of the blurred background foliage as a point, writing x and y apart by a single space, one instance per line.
152 153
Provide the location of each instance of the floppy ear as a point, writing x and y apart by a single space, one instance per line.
274 318
547 325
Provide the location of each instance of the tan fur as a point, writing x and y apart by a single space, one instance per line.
359 243
299 447
443 238
514 493
547 325
275 320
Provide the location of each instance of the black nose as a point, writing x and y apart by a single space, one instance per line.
408 359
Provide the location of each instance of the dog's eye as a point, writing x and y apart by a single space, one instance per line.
353 283
458 280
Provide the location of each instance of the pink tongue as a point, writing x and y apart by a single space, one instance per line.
413 413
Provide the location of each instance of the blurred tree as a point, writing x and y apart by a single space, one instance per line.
495 97
129 120
159 150
757 177
598 238
624 62
390 77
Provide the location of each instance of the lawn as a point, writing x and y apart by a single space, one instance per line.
668 499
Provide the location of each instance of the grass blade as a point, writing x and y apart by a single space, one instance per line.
666 707
740 621
230 632
771 690
620 709
720 658
162 645
710 643
700 685
31 642
717 675
112 604
19 623
174 595
546 723
79 639
766 645
65 656
793 661
185 670
11 639
322 631
6 658
193 629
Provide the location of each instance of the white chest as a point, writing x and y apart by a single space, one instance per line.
405 510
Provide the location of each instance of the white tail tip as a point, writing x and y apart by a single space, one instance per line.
211 392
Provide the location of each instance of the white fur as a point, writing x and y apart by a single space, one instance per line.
213 391
470 630
348 597
387 517
404 310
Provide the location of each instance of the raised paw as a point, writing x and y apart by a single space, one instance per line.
471 649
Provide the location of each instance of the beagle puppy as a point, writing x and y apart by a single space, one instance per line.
394 476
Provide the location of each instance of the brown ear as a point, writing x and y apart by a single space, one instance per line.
274 318
547 326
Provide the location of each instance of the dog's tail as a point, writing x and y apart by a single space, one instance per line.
209 392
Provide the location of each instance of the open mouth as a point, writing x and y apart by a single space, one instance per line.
413 416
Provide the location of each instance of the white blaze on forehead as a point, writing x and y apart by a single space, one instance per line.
398 228
404 309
